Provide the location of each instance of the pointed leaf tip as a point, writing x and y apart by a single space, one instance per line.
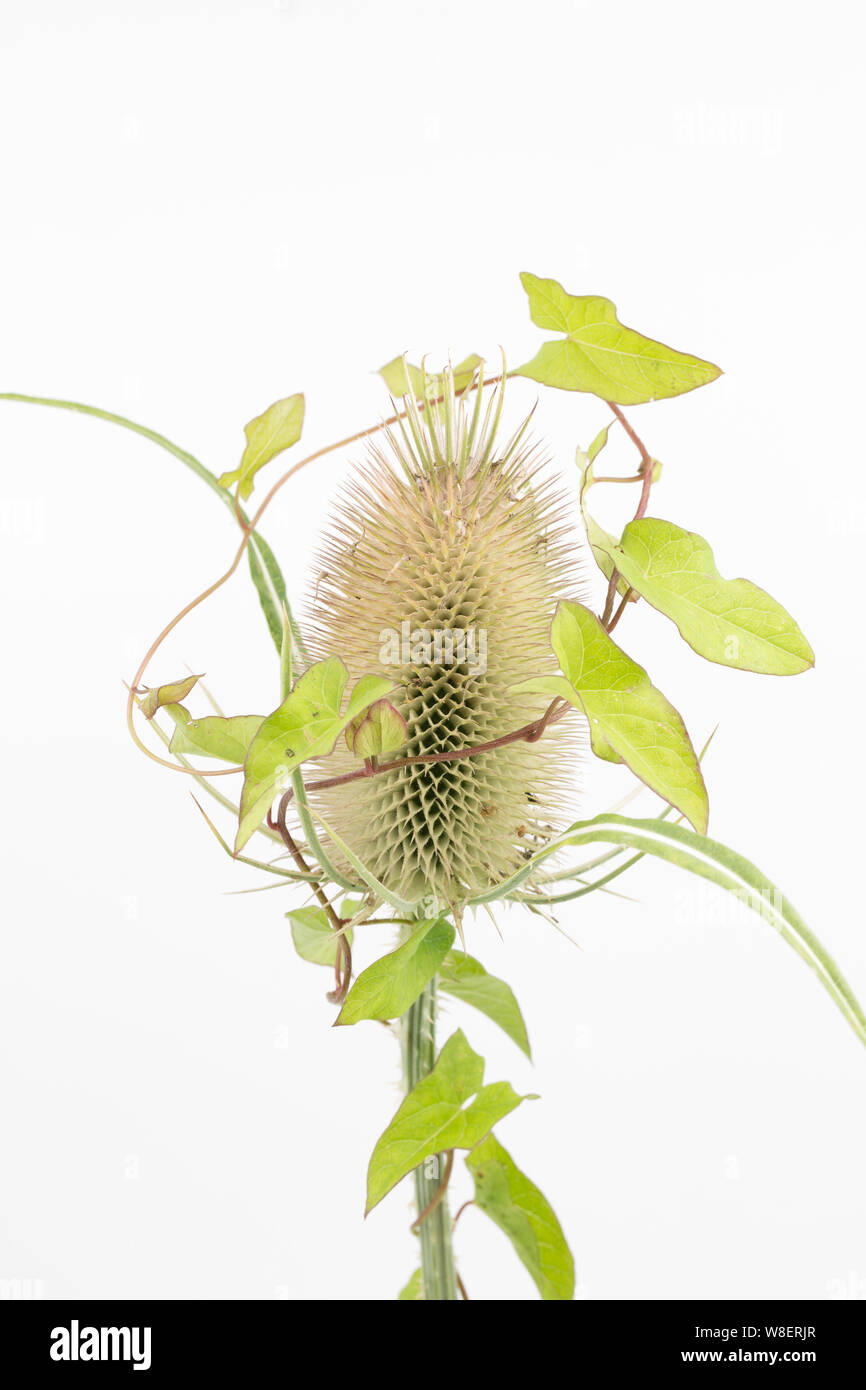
523 1213
600 355
629 720
170 694
435 1117
276 429
729 621
388 987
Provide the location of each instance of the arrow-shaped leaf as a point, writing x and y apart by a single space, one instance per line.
434 1117
313 936
519 1209
391 984
629 719
306 725
600 355
730 621
464 977
216 737
276 429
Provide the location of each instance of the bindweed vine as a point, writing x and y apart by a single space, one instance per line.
451 666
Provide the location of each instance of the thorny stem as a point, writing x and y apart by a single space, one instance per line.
433 1225
439 1194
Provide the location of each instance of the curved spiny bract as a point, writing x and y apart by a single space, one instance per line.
444 536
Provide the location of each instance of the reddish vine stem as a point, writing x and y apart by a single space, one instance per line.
609 598
611 478
343 964
619 612
461 1286
438 1194
609 619
646 460
247 528
527 733
460 1211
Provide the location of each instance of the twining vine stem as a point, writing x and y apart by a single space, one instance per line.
610 619
620 610
460 1210
438 1272
248 527
527 733
440 1278
438 1195
343 962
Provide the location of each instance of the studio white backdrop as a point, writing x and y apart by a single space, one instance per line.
208 206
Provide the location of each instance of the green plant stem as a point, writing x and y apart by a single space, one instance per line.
419 1055
255 540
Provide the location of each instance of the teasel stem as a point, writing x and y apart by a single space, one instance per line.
434 1230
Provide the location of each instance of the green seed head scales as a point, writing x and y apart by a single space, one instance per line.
441 569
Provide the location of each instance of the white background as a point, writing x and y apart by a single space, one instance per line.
207 206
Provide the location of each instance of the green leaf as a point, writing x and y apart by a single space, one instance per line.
465 978
730 621
721 865
80 409
306 725
278 428
523 1212
597 444
269 585
413 1290
629 719
402 379
601 542
196 467
387 987
314 938
434 1116
350 906
171 694
381 730
287 655
600 355
179 716
215 737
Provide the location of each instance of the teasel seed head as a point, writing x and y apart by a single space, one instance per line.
444 530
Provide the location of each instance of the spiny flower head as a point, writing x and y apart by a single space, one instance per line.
441 570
